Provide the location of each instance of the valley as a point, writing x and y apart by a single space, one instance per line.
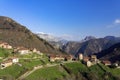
26 56
59 39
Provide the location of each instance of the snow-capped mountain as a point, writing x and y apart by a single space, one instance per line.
57 42
49 37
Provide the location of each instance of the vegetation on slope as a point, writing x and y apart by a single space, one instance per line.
5 53
75 71
18 35
48 73
12 72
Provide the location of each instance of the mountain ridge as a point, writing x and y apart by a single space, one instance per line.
18 35
112 53
91 46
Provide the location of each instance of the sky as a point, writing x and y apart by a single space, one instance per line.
70 19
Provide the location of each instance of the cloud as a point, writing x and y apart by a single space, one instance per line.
117 21
71 37
67 37
44 33
115 24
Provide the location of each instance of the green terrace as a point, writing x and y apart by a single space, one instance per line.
5 53
12 72
74 69
48 73
30 63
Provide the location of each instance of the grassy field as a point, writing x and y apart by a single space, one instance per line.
13 71
50 73
95 72
114 71
5 53
30 63
30 55
78 70
0 60
76 67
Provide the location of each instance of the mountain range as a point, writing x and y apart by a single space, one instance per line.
89 45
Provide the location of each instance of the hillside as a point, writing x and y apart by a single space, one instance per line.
91 46
112 53
18 35
75 71
38 67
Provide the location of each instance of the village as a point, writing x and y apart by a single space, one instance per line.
87 60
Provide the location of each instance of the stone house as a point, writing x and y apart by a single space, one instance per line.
68 57
6 63
53 58
106 62
86 58
5 45
80 56
94 59
23 51
89 63
14 59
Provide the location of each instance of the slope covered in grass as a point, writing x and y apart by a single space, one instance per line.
50 73
12 72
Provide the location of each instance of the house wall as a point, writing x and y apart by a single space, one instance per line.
5 45
15 60
89 63
23 51
80 56
5 65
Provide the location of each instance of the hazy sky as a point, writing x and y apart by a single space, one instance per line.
72 19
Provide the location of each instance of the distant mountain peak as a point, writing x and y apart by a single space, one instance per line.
49 37
89 38
109 37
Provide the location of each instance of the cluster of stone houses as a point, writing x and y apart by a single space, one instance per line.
9 62
21 50
91 60
53 58
13 60
87 60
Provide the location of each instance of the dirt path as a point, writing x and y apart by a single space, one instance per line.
28 73
36 68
